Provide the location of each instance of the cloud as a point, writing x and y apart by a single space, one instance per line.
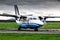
12 2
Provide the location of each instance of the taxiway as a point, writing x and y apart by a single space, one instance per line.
41 31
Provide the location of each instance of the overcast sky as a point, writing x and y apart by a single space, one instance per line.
40 7
31 6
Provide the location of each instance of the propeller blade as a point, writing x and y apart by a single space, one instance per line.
16 10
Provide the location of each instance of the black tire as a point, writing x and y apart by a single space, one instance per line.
35 29
19 29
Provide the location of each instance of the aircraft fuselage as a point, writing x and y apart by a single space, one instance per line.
29 22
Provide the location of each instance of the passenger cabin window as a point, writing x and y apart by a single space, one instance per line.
32 18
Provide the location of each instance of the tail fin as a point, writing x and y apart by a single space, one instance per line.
16 10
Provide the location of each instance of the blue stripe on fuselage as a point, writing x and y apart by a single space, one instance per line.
31 25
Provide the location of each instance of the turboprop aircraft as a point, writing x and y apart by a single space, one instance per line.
28 21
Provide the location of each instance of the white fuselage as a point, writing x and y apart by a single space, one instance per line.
29 20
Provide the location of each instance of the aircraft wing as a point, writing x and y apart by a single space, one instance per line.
8 15
45 17
7 20
52 16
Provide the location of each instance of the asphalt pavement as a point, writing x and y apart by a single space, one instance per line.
31 31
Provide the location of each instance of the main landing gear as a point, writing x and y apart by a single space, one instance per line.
19 29
35 29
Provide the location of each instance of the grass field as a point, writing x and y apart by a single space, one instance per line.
5 25
48 25
13 36
52 25
29 36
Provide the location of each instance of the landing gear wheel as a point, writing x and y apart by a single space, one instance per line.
35 29
19 28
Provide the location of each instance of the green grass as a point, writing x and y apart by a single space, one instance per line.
52 25
5 25
13 36
29 36
48 25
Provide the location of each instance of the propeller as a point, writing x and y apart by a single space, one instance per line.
16 10
17 15
43 18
